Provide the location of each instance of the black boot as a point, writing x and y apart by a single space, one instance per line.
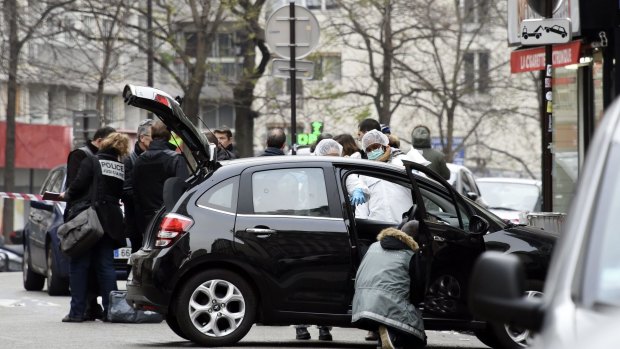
324 334
302 333
93 311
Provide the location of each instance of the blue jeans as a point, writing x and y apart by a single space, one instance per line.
101 256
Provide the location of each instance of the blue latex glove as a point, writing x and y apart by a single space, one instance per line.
357 197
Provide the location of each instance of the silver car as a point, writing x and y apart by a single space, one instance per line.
582 290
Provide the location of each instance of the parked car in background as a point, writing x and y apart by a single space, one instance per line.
43 262
509 197
256 241
462 179
582 290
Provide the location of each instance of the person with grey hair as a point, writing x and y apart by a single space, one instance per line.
386 286
143 141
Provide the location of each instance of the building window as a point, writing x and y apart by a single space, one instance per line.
225 43
328 67
476 71
142 24
313 4
219 115
475 11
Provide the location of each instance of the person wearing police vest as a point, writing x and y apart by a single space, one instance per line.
151 169
387 285
142 144
90 148
110 172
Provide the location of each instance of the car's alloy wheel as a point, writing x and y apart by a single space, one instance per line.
32 280
56 285
216 308
520 336
512 337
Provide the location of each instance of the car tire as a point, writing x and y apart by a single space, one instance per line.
236 312
173 323
510 337
56 285
32 280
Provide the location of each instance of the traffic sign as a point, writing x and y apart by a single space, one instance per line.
277 32
545 31
282 67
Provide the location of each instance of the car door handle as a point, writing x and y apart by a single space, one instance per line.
261 231
438 238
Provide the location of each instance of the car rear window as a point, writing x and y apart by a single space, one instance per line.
222 196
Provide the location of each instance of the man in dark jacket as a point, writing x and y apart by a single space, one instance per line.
225 139
384 285
150 171
421 141
222 152
276 139
74 161
142 144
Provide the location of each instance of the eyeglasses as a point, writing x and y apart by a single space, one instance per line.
373 146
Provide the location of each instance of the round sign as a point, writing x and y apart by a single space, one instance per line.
539 5
277 32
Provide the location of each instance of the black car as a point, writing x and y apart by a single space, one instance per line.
277 242
43 262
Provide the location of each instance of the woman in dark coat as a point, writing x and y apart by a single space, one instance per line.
110 171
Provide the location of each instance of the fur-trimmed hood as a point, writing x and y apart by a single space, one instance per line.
399 235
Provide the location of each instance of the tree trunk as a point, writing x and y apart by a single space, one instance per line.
197 76
386 93
9 152
244 121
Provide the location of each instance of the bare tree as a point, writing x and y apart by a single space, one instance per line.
184 31
24 23
250 36
98 43
453 64
381 30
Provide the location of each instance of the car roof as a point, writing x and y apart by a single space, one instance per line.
509 180
292 159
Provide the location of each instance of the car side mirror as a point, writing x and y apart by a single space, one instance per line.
497 292
472 196
478 225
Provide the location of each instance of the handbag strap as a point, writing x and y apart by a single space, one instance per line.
96 174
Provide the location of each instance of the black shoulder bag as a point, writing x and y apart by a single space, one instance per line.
82 232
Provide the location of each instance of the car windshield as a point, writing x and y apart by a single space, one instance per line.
510 196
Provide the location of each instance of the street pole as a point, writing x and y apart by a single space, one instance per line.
293 79
547 122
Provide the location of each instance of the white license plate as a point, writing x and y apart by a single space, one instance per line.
122 253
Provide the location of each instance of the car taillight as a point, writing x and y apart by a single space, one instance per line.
172 227
163 100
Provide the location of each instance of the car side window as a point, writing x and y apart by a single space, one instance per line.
467 187
443 209
222 196
55 182
291 191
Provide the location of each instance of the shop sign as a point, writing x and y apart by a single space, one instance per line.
519 10
534 59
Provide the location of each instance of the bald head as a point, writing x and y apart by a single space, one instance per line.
276 138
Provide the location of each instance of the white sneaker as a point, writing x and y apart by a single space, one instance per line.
386 340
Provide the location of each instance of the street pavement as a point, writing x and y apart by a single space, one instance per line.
32 320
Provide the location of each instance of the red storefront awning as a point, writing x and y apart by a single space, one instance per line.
534 58
37 146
